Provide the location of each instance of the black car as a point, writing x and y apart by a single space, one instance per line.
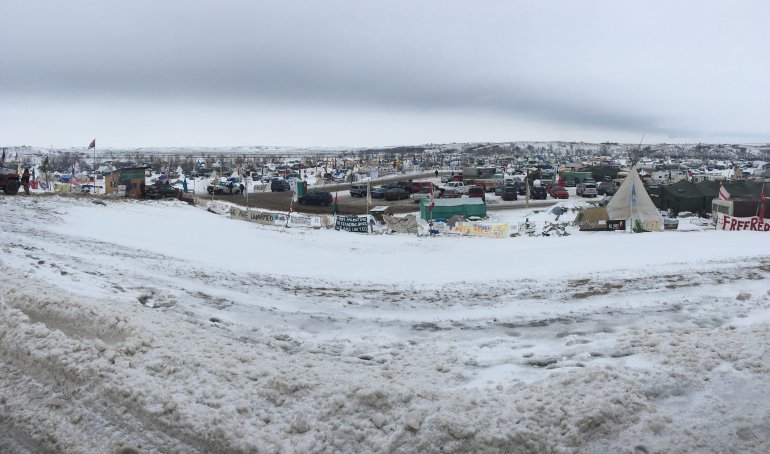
509 193
378 193
316 198
157 191
279 185
396 194
605 188
538 192
405 185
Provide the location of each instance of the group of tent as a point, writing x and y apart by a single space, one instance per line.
634 207
697 197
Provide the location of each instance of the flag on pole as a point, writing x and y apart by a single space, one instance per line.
762 202
92 144
432 201
335 206
633 195
368 192
723 194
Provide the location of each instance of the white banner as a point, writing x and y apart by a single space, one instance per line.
726 222
486 230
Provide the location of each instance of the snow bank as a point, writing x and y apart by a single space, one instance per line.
160 327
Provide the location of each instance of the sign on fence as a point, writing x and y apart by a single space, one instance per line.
477 229
356 224
726 222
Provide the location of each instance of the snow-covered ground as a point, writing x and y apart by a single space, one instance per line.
161 327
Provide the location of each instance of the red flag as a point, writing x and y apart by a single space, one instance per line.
92 144
762 202
723 194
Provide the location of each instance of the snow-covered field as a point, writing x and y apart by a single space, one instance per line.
160 327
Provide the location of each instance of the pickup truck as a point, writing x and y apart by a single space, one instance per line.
424 194
222 187
458 186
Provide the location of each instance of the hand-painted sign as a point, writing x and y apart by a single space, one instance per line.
479 229
357 224
725 222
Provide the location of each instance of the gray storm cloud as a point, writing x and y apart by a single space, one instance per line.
654 67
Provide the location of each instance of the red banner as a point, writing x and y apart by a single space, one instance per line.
725 222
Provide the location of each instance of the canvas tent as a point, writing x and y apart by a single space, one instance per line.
632 203
685 196
693 197
446 208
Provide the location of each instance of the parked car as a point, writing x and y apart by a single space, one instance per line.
160 191
509 193
558 192
424 194
222 187
358 190
322 198
586 189
456 178
477 192
378 193
538 193
450 194
278 185
404 185
605 188
396 194
418 186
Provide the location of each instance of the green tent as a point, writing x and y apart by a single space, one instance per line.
685 196
446 208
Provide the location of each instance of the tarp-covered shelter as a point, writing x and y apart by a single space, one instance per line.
632 203
404 224
446 208
593 218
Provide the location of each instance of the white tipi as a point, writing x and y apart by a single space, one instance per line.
632 203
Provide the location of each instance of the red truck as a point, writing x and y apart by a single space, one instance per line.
9 180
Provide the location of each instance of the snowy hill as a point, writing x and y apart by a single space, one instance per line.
158 326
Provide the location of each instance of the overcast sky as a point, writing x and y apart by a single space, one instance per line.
135 73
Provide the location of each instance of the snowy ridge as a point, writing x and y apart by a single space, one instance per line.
161 327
